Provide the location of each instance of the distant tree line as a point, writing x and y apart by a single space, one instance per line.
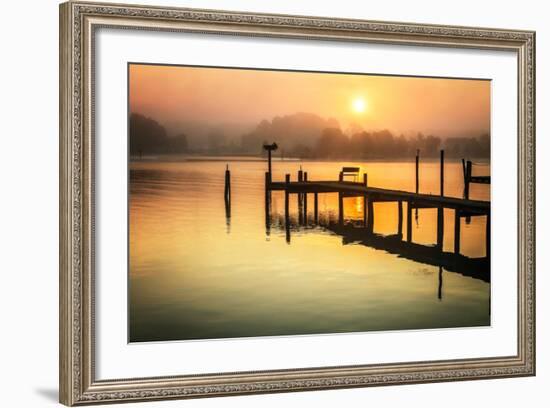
306 136
334 144
147 136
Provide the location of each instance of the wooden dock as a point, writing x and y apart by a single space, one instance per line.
353 189
463 207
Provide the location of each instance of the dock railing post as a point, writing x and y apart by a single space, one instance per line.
341 176
366 179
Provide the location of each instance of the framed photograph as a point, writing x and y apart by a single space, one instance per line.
256 203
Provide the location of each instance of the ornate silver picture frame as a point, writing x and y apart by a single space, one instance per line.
79 22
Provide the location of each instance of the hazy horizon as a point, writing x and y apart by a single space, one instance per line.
237 100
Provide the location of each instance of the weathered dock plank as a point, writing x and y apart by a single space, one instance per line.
381 194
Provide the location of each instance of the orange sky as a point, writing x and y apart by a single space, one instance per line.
443 107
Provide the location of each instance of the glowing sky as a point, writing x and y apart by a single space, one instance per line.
444 107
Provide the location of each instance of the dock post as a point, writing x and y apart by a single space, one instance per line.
467 177
457 231
341 208
370 222
400 218
267 205
440 285
304 198
267 182
409 221
341 176
366 179
300 197
227 190
467 186
269 163
365 211
305 208
316 207
287 215
228 215
440 227
416 168
442 172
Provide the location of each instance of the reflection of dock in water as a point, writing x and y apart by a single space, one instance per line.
463 207
396 244
478 268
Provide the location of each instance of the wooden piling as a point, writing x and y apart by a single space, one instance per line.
365 210
440 284
417 169
304 199
299 197
440 227
366 179
409 221
457 232
267 204
370 223
287 215
316 207
442 173
267 181
400 218
287 181
467 186
269 163
227 190
467 180
341 208
305 208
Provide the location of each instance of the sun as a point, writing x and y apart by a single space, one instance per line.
359 105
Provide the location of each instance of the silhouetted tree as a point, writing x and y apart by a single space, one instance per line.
332 144
147 136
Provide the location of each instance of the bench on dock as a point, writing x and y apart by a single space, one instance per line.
349 171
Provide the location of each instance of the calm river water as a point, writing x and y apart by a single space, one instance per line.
197 274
